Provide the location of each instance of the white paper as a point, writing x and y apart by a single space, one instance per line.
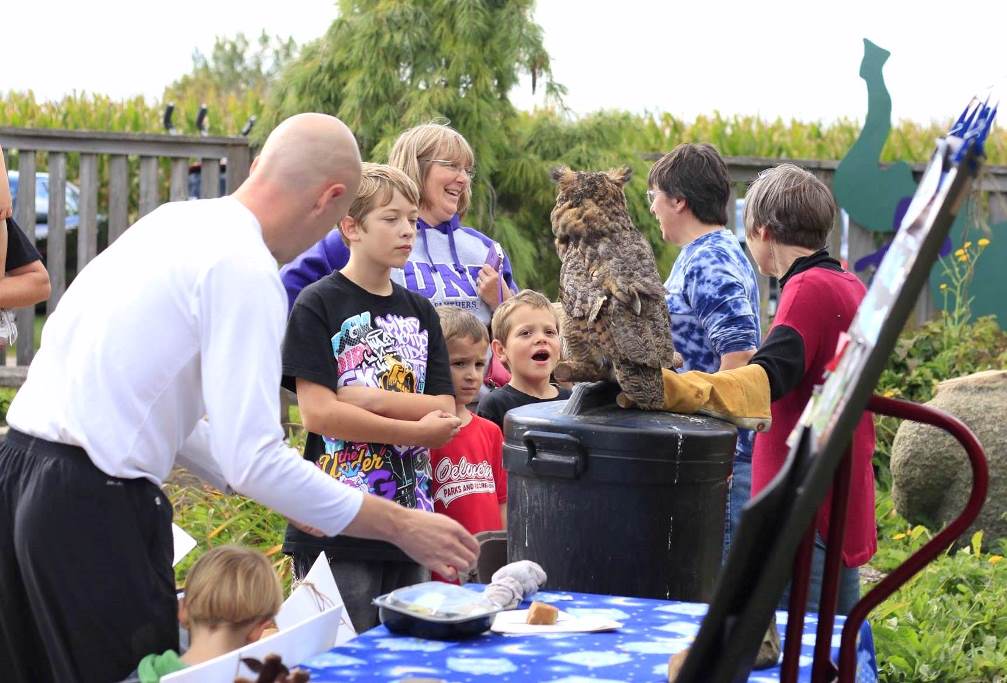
296 644
184 543
317 592
514 621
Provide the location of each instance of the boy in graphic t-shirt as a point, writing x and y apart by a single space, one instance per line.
370 368
469 483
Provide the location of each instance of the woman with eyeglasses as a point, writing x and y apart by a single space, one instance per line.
450 263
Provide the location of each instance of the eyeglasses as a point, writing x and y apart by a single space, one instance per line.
454 166
651 195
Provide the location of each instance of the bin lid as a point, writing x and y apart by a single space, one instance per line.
590 423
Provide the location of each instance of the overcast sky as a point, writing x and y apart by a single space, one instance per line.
772 58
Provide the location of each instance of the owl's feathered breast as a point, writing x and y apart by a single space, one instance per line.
609 284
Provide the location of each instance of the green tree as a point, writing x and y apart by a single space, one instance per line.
233 81
386 65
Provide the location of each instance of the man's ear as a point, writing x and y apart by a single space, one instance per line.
330 193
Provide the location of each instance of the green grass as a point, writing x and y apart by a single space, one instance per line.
949 623
213 518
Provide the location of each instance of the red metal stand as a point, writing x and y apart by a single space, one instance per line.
943 540
823 669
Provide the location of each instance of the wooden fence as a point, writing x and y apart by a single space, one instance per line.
115 151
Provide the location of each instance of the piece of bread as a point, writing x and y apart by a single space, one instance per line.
542 614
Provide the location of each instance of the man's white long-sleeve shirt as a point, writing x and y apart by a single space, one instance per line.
182 317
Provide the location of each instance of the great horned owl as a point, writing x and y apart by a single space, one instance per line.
617 324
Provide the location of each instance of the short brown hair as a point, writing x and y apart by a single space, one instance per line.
696 173
232 586
415 148
457 323
502 322
377 183
794 206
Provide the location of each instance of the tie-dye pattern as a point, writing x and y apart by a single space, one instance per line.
713 300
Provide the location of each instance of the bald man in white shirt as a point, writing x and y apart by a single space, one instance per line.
179 320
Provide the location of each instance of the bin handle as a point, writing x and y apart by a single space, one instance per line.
561 465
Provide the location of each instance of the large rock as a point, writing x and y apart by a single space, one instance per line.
931 476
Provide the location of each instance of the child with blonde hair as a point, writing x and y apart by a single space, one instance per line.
368 362
231 596
526 340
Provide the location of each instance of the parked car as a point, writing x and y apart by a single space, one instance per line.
42 203
196 179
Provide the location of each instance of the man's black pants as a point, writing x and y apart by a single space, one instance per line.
86 583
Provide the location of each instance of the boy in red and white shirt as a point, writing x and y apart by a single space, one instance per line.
469 483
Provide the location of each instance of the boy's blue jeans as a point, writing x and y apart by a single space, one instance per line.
738 492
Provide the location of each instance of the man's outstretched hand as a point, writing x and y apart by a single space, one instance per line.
437 542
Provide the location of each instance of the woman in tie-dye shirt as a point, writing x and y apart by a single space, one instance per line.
712 294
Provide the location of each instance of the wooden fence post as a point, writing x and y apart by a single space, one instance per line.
149 195
118 196
87 230
179 188
56 240
25 217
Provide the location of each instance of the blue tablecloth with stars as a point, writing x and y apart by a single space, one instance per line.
652 631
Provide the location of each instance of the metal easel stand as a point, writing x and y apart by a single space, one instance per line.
824 670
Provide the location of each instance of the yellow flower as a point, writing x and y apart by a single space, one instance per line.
964 258
898 537
995 559
983 242
959 253
888 393
966 245
944 286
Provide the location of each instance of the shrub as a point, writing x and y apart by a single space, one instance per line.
947 623
953 345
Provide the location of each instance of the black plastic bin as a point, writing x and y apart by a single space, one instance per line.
619 502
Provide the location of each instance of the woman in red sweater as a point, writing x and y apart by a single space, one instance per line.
788 215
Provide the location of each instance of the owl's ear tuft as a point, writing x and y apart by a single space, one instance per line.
620 176
562 175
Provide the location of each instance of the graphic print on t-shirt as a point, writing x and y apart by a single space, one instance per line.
389 353
457 480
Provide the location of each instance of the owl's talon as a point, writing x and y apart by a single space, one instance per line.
624 401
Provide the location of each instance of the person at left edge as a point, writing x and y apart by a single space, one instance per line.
182 317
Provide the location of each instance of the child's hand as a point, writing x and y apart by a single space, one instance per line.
436 428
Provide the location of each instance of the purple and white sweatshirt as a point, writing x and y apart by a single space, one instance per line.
442 267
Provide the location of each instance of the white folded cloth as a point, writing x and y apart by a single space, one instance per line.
514 582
